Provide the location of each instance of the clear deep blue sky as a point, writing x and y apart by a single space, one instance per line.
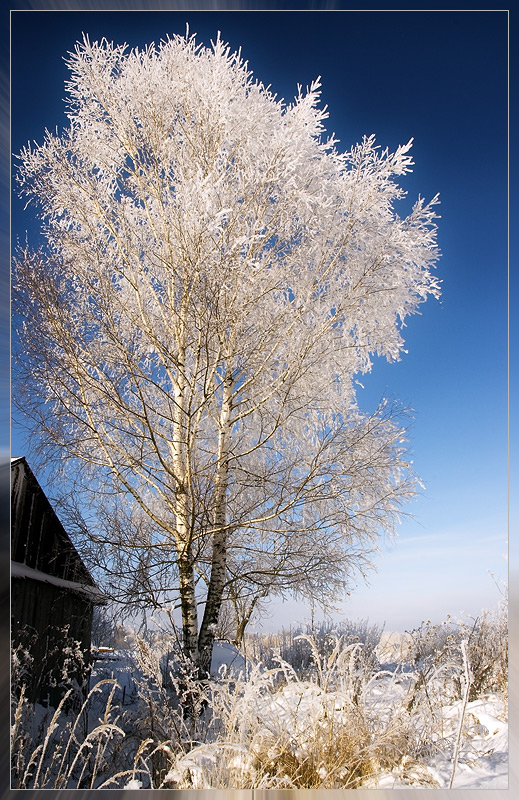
440 77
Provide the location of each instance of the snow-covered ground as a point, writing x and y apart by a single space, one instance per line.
121 665
483 758
294 712
344 720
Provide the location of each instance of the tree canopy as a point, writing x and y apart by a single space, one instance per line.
216 274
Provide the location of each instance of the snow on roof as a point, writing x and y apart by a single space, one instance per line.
59 531
19 570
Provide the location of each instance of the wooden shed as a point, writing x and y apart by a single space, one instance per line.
52 595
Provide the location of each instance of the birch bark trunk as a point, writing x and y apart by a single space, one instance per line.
220 535
188 608
182 527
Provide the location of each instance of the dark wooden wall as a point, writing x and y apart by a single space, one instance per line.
47 619
51 629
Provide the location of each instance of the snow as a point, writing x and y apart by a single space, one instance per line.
270 714
19 570
134 784
118 664
226 659
483 762
394 647
295 711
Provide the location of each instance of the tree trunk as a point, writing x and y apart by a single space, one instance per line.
242 623
182 528
219 555
188 609
213 603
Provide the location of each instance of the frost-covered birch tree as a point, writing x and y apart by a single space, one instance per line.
215 275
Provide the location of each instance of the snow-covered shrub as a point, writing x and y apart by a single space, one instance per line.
170 708
171 711
344 725
50 749
488 654
395 649
22 668
276 734
487 650
60 667
291 648
79 744
336 729
435 643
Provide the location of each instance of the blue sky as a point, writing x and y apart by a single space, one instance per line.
440 77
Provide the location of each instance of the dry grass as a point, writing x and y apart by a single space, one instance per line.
342 725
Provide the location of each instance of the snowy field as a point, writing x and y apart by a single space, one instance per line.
341 715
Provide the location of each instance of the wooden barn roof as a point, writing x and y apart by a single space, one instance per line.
34 535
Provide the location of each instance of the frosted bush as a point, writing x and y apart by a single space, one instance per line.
340 723
276 730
